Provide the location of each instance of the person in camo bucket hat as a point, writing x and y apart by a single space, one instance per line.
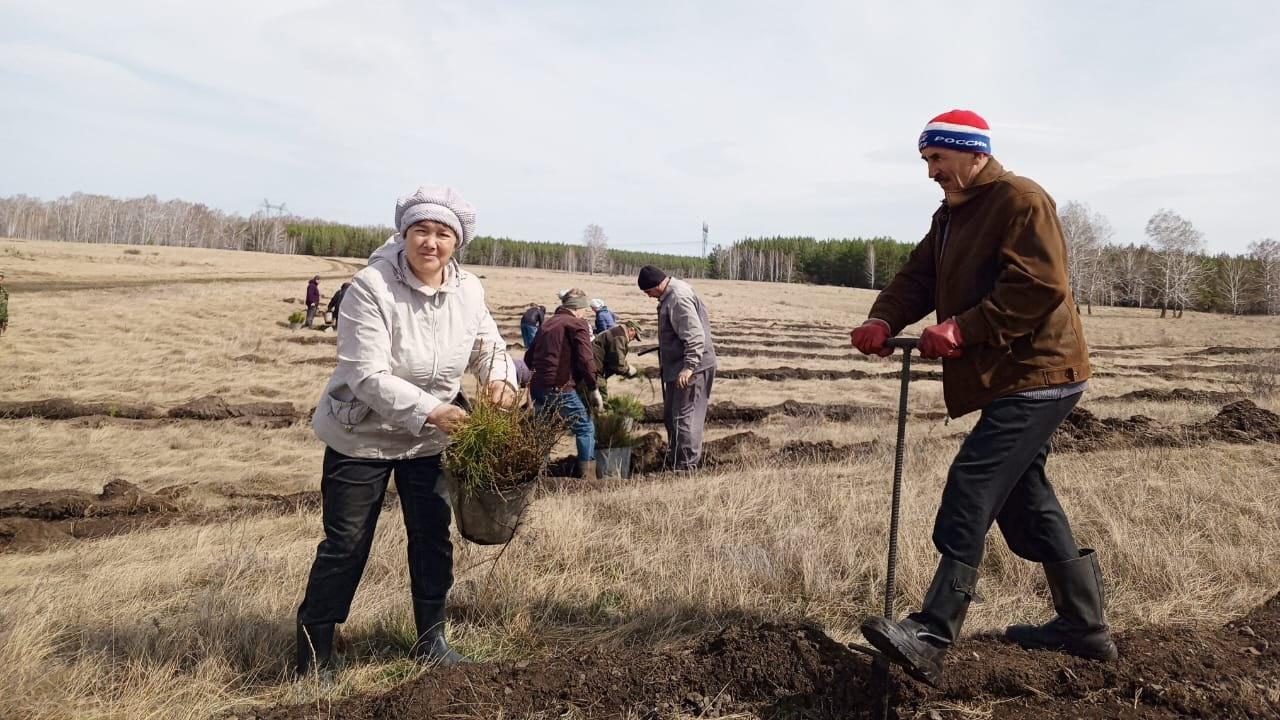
993 267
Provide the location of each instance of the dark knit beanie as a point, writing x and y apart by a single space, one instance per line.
650 277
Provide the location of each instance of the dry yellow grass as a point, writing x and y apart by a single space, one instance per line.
195 621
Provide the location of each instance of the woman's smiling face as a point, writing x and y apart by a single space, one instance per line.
429 246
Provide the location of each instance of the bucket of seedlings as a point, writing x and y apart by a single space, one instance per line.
614 442
492 466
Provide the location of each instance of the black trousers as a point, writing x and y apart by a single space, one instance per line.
352 490
998 476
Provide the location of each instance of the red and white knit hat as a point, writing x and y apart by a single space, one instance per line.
962 130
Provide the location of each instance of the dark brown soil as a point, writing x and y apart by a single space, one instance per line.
788 671
731 414
34 519
648 457
212 407
209 407
64 409
1187 395
1240 422
823 451
789 373
314 340
1229 350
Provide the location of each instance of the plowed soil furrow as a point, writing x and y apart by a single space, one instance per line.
34 520
209 407
778 671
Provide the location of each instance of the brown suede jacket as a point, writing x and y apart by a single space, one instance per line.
995 260
561 357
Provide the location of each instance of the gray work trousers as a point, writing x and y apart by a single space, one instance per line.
684 411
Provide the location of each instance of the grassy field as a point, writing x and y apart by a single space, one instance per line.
193 618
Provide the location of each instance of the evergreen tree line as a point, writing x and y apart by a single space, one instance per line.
320 238
850 262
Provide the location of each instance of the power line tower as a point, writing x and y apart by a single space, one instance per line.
706 229
280 210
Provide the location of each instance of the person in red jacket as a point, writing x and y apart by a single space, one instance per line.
562 359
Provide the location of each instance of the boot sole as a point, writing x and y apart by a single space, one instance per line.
1109 652
901 655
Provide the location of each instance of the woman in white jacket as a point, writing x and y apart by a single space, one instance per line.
413 322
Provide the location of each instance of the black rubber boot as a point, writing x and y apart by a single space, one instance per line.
919 642
315 651
1080 628
431 646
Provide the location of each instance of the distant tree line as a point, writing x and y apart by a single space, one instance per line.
1171 271
138 221
853 262
321 238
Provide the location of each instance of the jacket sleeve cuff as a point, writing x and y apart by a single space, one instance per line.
883 322
427 404
973 327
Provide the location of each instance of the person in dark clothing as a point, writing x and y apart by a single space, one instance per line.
994 268
562 361
530 321
335 303
313 300
4 306
610 349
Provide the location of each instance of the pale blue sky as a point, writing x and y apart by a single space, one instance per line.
646 118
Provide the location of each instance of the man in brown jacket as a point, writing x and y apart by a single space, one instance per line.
562 360
993 266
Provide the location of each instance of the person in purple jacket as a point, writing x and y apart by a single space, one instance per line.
313 299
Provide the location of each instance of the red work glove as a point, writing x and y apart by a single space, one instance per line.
870 337
941 341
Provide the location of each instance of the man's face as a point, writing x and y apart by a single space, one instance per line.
631 334
952 169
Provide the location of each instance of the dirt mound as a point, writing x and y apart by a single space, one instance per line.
314 340
64 409
1187 395
823 451
1229 350
252 358
213 407
789 373
773 670
210 407
731 414
118 497
32 519
1239 422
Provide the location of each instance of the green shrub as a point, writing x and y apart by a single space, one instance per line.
626 406
297 317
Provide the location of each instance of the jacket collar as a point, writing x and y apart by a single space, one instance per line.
990 172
